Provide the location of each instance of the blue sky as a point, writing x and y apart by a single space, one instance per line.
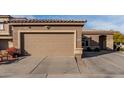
104 22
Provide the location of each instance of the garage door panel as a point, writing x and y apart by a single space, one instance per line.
49 44
4 44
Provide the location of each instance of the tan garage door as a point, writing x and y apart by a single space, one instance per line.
48 44
3 44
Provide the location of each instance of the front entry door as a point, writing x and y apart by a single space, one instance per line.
102 42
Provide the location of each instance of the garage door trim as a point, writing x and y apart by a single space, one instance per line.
46 31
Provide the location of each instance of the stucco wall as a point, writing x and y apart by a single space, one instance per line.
6 28
109 42
94 42
17 28
78 29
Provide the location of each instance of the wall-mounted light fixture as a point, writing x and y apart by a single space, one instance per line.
47 27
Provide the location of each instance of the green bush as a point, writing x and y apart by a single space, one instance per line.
96 49
89 49
121 49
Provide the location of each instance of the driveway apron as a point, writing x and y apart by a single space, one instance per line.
24 66
57 65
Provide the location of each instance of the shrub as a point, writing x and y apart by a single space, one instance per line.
13 51
97 49
89 49
121 49
118 49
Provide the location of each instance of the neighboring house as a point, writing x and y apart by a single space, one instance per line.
101 39
42 37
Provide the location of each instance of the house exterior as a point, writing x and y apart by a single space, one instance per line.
42 37
51 37
101 39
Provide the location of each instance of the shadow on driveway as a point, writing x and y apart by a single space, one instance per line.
12 61
94 54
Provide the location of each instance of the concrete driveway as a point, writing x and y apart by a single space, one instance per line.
106 63
57 65
95 64
40 67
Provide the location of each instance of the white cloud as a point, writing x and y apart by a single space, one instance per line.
114 23
110 22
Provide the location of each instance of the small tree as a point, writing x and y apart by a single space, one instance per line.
118 37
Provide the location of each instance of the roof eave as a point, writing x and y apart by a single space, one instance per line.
16 24
98 33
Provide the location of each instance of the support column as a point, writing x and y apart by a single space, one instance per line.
109 42
10 43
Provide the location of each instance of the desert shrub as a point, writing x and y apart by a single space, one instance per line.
121 49
97 49
13 51
89 49
118 49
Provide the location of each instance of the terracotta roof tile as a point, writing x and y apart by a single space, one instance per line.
5 16
98 32
45 21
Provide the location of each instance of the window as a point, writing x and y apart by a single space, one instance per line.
85 41
1 26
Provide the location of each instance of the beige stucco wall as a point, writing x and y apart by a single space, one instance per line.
78 30
10 43
6 28
95 41
5 36
109 42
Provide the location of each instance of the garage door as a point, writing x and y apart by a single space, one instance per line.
48 44
3 44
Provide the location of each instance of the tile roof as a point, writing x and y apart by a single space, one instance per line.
98 32
45 21
5 16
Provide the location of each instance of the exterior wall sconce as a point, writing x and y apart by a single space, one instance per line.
48 27
29 27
